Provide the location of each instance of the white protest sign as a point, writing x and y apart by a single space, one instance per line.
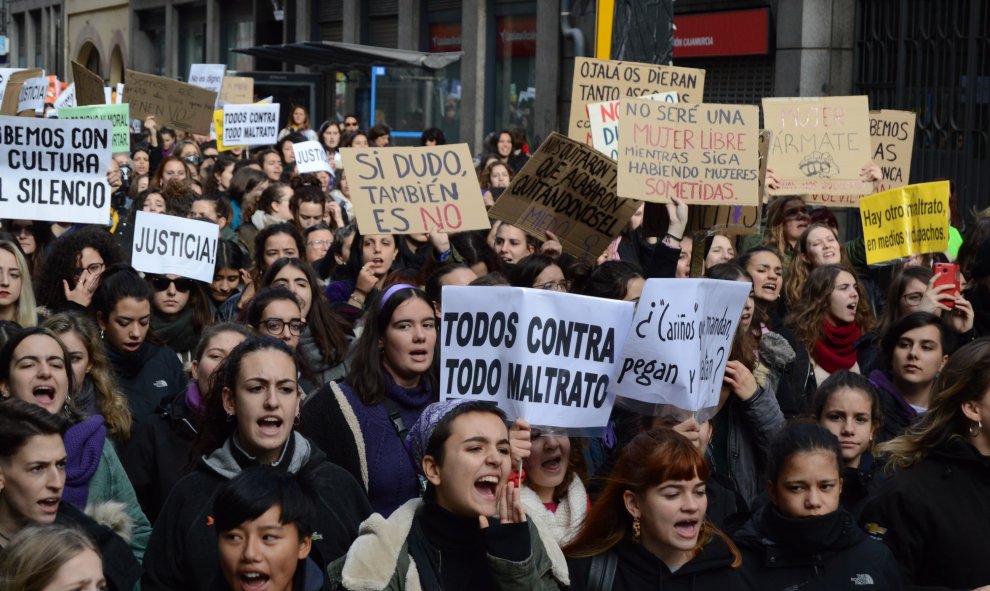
67 98
55 170
170 245
250 125
535 353
32 96
604 119
209 76
679 342
311 156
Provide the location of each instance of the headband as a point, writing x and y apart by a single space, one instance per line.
391 291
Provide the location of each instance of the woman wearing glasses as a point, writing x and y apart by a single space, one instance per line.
276 312
145 372
539 271
73 270
180 310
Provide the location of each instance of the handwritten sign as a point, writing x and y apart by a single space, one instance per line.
89 86
174 104
117 115
567 188
208 76
739 220
415 190
67 98
12 92
251 125
237 90
905 221
596 81
680 339
55 170
819 144
32 95
538 354
311 156
604 119
699 153
172 245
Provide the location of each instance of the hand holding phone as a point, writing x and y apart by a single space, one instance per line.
948 275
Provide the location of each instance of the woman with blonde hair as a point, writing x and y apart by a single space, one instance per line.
96 390
929 513
44 557
16 294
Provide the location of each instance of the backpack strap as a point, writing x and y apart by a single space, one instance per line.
601 573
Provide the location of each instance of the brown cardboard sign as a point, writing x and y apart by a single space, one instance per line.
415 190
13 91
738 220
819 144
568 188
237 90
89 86
597 81
173 103
700 153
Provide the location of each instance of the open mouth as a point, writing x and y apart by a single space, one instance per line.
486 487
253 580
770 287
270 426
553 465
132 345
45 395
687 529
49 505
419 355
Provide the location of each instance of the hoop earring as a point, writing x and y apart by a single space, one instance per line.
637 529
978 425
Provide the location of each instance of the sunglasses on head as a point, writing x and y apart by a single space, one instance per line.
161 283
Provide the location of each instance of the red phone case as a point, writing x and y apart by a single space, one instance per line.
949 273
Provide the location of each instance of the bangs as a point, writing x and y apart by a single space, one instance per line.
660 455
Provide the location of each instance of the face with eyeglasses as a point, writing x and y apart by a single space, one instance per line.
911 298
318 242
796 219
350 124
283 320
90 264
171 293
23 230
551 279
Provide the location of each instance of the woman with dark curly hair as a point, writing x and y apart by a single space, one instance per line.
73 269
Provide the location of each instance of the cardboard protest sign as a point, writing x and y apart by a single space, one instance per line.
117 115
892 135
12 91
173 103
568 188
819 144
311 156
415 190
89 86
208 76
55 170
679 343
5 74
67 98
905 221
596 81
172 245
739 220
237 90
604 119
538 354
251 125
32 95
705 153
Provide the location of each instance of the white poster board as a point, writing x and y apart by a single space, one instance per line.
55 170
604 120
311 156
538 354
679 342
250 125
170 245
67 98
32 95
209 76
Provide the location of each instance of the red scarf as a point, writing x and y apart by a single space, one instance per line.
836 348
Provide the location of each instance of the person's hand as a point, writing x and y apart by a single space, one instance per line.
962 316
113 177
152 126
366 279
439 240
510 509
490 239
489 200
520 443
740 380
690 429
772 181
335 213
870 172
552 247
82 293
677 210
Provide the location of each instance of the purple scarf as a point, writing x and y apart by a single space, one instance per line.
84 443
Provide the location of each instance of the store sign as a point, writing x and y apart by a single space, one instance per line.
739 32
514 36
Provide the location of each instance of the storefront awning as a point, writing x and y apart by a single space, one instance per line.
330 55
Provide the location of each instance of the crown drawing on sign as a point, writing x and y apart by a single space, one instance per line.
818 164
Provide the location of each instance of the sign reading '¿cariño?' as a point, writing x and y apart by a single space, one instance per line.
702 154
415 190
55 170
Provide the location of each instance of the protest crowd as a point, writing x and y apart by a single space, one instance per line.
235 356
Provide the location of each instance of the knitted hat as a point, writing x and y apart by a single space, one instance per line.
419 436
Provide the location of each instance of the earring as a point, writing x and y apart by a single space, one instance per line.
101 334
975 429
296 421
230 417
637 529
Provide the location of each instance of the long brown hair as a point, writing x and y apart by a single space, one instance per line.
773 233
801 267
808 321
650 459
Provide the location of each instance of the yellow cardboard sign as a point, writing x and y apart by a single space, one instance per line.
905 221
